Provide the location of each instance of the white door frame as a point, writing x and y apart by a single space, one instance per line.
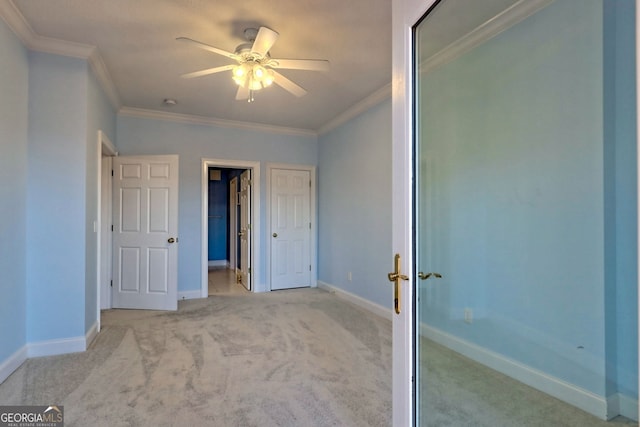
313 238
105 148
256 237
405 14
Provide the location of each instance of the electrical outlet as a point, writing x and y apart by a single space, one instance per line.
468 315
349 276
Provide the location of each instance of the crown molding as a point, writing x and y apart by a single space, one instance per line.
33 41
355 110
491 28
104 79
211 121
15 20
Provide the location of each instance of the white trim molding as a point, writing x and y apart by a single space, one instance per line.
212 121
91 335
57 346
192 294
256 236
620 404
484 32
355 110
10 13
218 263
13 362
587 401
354 299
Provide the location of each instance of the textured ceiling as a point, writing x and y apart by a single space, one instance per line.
136 40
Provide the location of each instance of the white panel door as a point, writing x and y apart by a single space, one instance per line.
245 229
290 229
145 228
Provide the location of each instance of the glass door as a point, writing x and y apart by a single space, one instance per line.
514 212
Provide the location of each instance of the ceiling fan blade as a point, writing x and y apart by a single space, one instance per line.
264 40
209 48
242 94
207 71
301 64
288 85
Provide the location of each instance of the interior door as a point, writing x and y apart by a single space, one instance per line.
145 232
233 223
245 229
290 228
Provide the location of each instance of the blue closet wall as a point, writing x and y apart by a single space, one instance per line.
218 236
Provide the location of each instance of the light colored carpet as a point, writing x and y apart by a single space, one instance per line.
286 358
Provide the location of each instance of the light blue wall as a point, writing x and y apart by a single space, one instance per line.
534 187
354 182
140 136
621 198
100 116
13 188
56 197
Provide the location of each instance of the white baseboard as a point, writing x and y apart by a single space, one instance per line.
55 347
587 401
12 363
193 294
218 263
91 334
620 404
356 300
47 348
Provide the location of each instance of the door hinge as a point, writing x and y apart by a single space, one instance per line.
249 270
111 172
309 267
112 283
111 227
309 183
248 226
309 226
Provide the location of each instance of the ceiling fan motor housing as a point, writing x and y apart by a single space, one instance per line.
250 34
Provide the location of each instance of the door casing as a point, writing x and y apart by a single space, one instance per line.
256 237
405 14
103 241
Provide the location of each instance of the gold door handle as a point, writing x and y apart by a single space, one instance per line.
241 233
171 240
424 276
395 277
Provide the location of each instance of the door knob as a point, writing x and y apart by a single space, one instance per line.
171 240
275 234
424 276
241 234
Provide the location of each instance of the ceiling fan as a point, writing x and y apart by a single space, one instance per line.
255 68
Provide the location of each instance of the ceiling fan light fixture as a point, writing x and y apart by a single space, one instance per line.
255 69
268 78
253 76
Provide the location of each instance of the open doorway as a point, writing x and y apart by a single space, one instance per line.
227 235
230 226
